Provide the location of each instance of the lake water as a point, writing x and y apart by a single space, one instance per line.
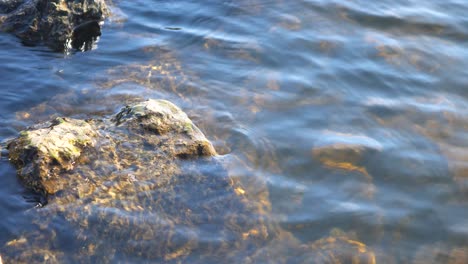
354 112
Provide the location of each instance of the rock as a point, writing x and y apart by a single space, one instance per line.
147 175
59 24
41 154
7 6
164 72
44 152
338 247
345 151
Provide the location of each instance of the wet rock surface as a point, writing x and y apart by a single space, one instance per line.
59 24
50 148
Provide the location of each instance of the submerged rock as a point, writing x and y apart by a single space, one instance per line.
336 248
145 183
347 152
344 151
59 24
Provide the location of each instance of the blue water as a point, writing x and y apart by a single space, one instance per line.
272 82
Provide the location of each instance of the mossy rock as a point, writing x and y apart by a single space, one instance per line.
42 153
138 185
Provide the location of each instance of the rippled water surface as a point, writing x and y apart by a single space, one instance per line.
354 113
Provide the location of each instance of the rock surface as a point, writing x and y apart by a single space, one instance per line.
59 24
41 154
44 152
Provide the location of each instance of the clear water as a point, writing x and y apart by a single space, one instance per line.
271 81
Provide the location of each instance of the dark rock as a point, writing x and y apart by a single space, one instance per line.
58 24
7 6
85 35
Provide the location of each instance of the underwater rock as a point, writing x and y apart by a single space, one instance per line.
347 152
59 24
145 183
336 248
344 151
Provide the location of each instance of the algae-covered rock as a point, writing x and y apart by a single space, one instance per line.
60 24
166 120
46 150
144 184
42 153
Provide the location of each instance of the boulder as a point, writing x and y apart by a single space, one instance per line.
59 24
44 152
142 184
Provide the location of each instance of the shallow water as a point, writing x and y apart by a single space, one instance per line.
278 84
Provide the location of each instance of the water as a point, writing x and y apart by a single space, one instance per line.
278 84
